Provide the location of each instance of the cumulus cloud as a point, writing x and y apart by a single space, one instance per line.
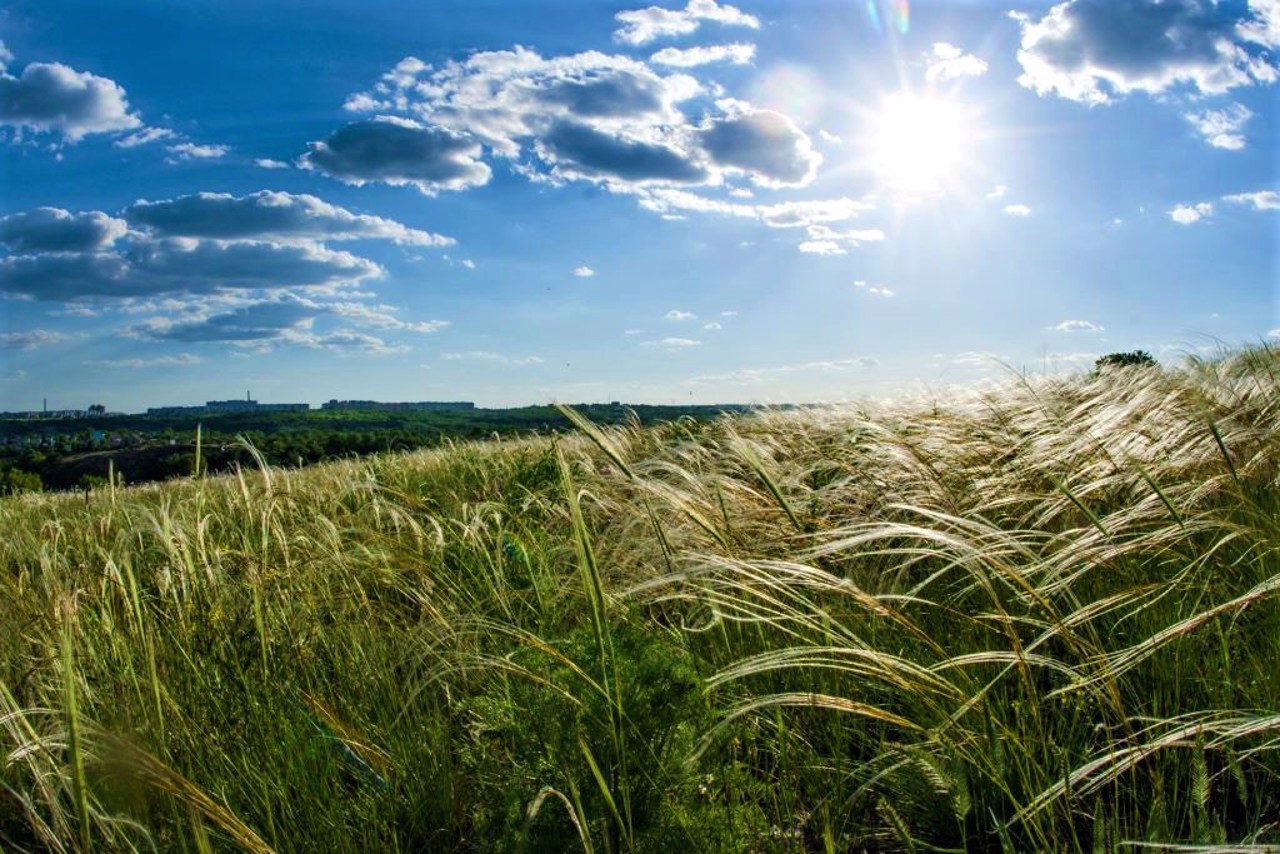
677 314
1221 128
1095 51
252 271
612 120
1017 210
712 326
1263 200
259 321
180 266
399 152
641 26
30 339
1077 326
576 150
267 215
268 163
766 146
49 97
1190 214
947 62
6 56
583 272
738 53
57 230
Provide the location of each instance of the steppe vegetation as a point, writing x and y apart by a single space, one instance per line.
1043 617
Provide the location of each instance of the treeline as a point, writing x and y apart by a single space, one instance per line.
87 453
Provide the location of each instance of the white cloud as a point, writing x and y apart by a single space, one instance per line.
192 151
468 263
830 138
1096 52
874 290
737 53
729 313
676 314
976 358
347 341
492 358
1077 326
1221 128
750 376
612 120
143 137
641 26
1263 200
1274 333
766 146
583 272
633 332
50 97
268 163
822 247
1017 210
712 325
1071 358
1264 28
178 359
399 152
674 344
6 56
825 236
948 62
1188 214
998 192
30 339
57 230
268 215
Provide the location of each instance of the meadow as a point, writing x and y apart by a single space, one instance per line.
1040 617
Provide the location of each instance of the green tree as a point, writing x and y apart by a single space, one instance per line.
13 481
1133 358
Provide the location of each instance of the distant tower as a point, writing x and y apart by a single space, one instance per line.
246 395
45 405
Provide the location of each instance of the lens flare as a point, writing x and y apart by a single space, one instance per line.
897 12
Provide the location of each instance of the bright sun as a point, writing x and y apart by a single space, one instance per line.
920 144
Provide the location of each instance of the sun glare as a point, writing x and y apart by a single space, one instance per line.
920 144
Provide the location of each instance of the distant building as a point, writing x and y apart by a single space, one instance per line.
225 407
419 406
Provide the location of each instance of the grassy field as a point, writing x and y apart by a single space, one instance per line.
1045 617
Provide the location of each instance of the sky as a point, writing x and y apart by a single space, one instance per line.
576 200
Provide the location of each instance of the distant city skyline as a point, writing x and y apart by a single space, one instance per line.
689 202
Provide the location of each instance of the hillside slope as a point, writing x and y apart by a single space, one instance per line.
1044 617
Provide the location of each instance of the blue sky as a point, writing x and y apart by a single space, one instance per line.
699 202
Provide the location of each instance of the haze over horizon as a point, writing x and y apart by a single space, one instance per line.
512 203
